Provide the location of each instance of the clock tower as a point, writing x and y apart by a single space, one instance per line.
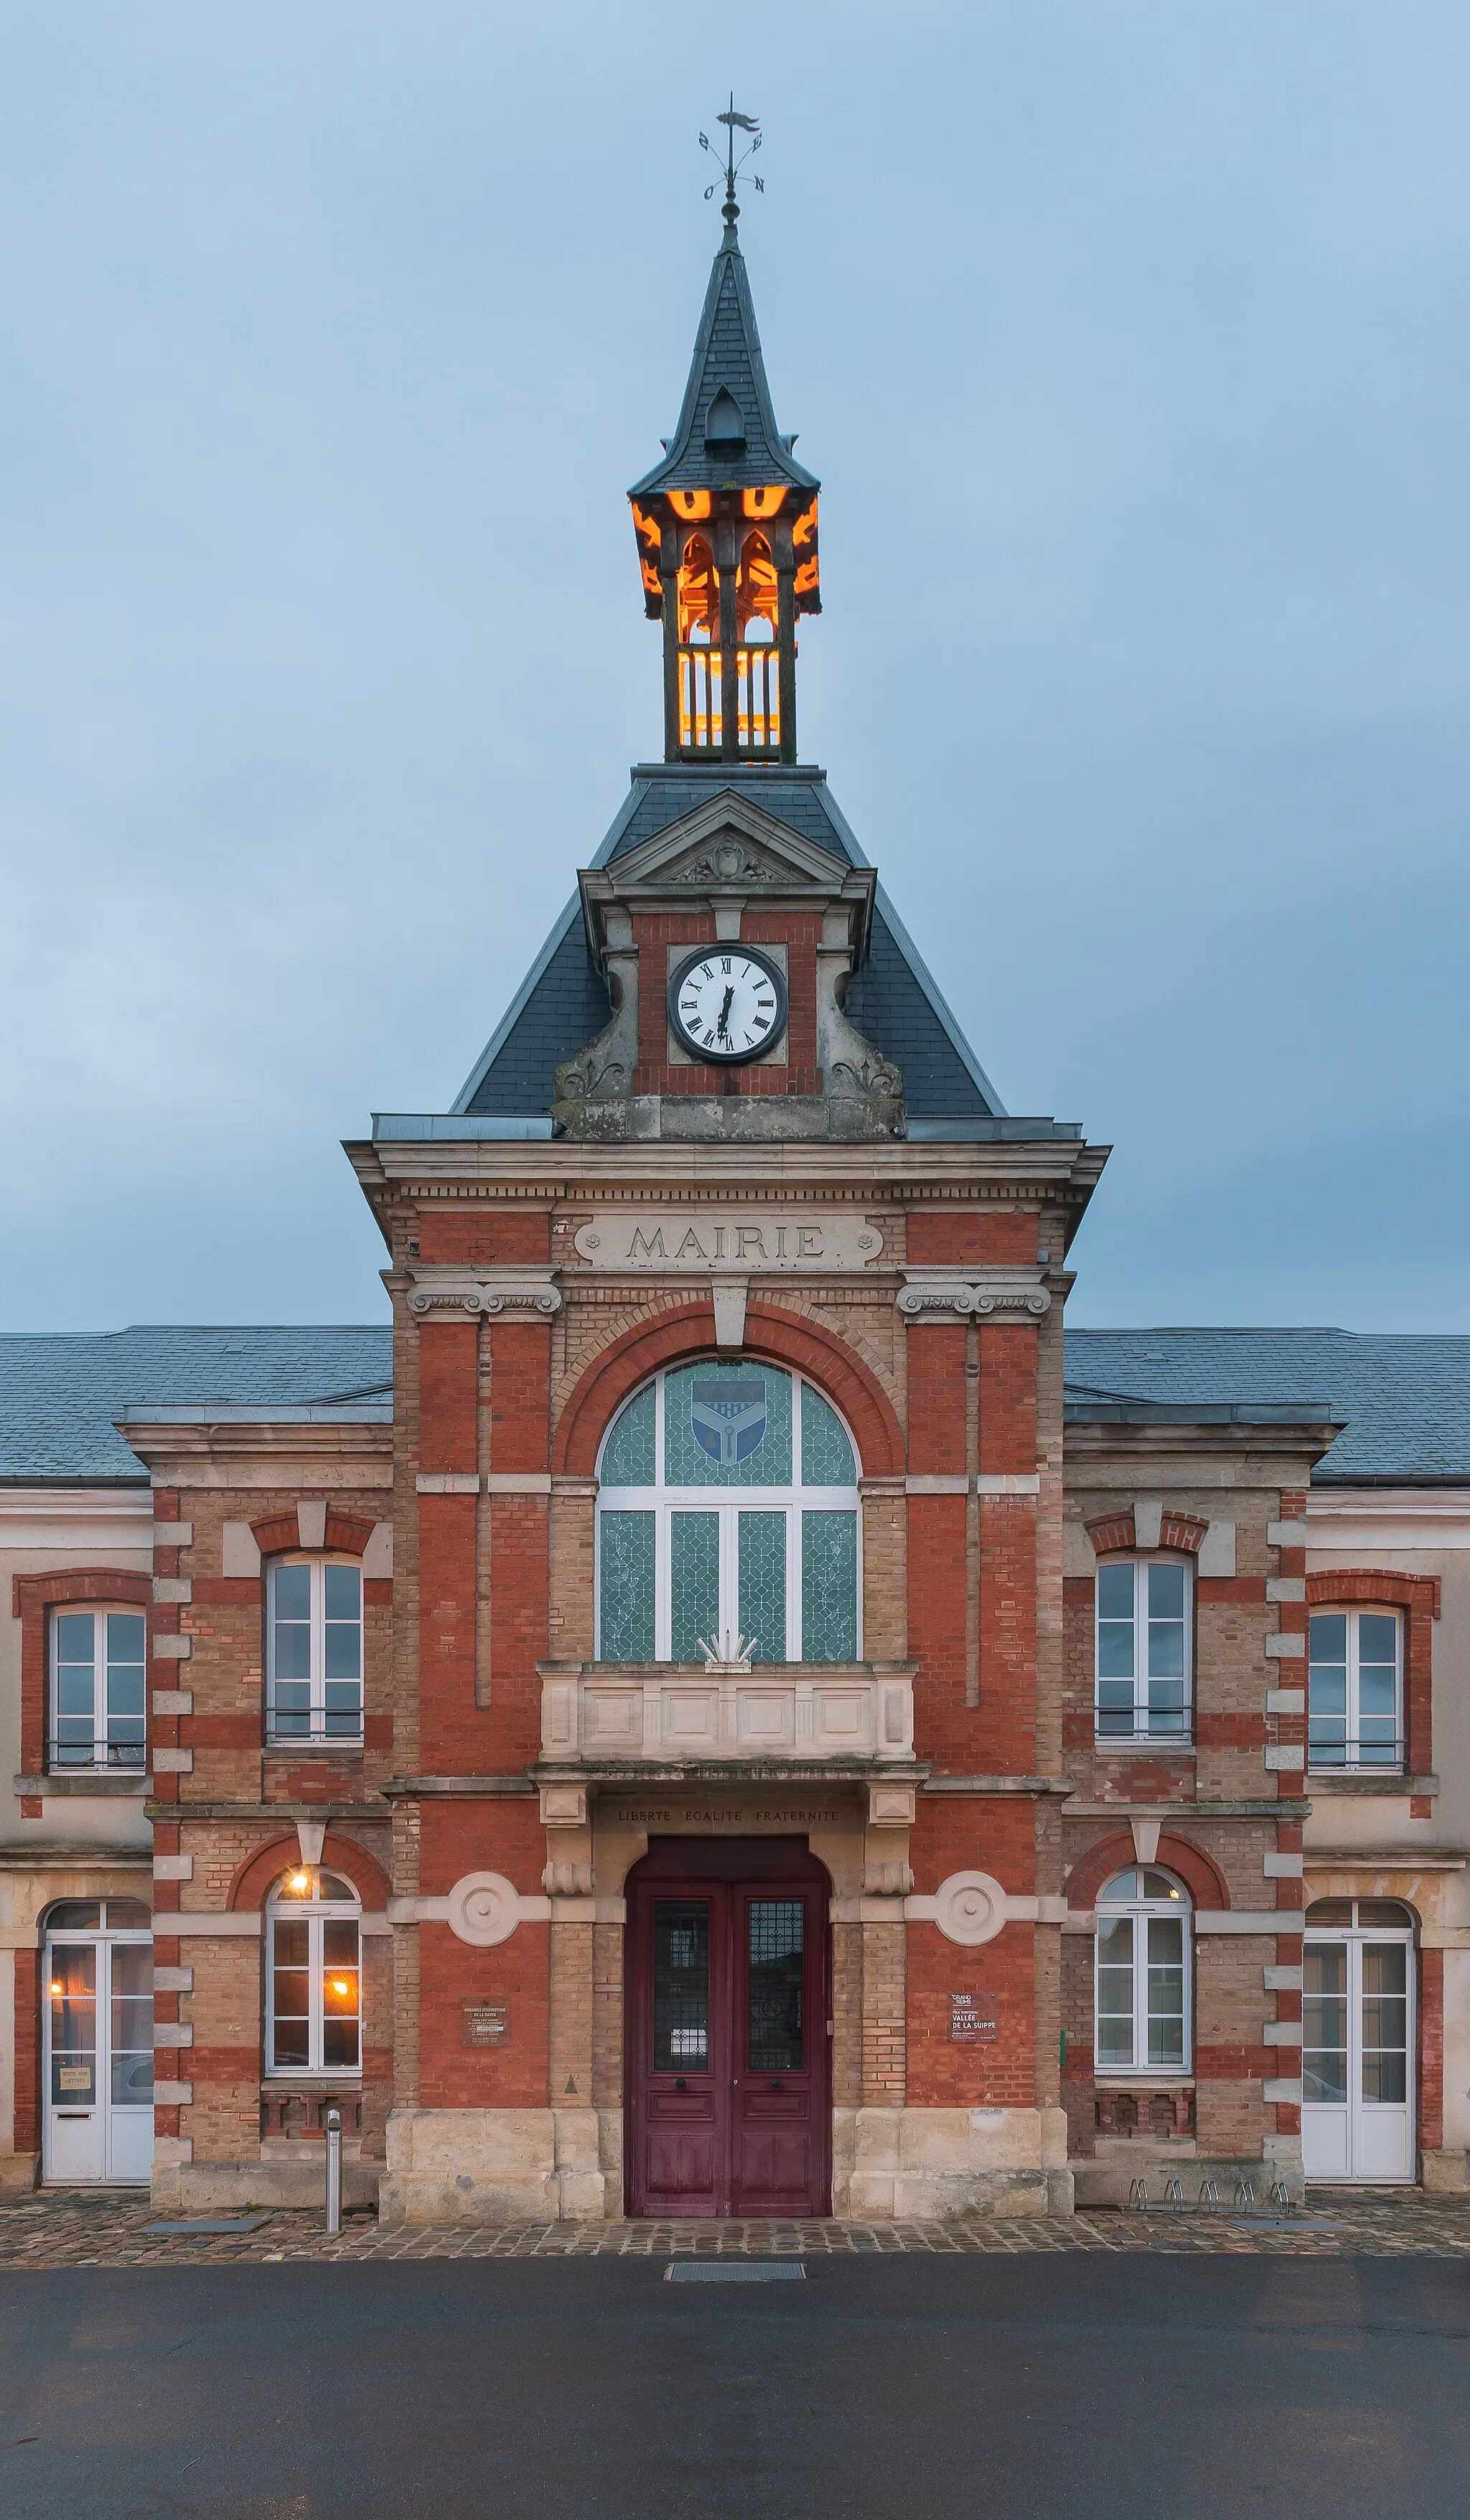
727 1596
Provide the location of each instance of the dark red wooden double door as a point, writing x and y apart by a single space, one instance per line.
728 1997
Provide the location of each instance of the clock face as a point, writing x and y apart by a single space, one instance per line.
726 1003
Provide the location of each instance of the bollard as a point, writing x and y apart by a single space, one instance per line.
333 2170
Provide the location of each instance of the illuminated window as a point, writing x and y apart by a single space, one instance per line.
728 1505
313 1976
315 1650
99 1677
1355 1689
1143 1649
1142 2015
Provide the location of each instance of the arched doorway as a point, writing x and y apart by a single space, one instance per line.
728 2072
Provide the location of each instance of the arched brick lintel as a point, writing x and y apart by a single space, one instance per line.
257 1875
278 1535
1371 1584
1199 1873
1418 1597
786 1338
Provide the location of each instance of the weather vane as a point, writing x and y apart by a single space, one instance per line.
735 123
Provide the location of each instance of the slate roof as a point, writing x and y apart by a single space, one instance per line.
893 999
728 356
1403 1400
60 1392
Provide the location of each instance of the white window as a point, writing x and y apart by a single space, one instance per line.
315 1652
728 1506
99 1674
1143 1649
314 1977
1355 1692
1143 1974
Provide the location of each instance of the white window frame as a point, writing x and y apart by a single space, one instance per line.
124 1757
664 1501
1182 1735
317 1735
1141 1913
315 1912
1357 1764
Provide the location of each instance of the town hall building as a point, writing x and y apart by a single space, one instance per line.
722 1709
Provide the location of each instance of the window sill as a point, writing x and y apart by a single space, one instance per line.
87 1780
1163 2079
1362 1780
314 1749
304 2080
1163 1746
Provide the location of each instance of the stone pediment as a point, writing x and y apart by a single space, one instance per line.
727 847
730 861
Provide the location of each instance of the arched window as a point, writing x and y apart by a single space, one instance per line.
314 1660
728 1506
313 1974
1143 1974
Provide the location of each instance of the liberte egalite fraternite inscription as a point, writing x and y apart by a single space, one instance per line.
737 1238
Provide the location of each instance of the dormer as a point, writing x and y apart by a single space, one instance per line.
697 915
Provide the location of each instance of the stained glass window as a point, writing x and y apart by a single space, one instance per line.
681 1565
628 1587
829 1587
762 1584
693 1582
827 1453
728 1426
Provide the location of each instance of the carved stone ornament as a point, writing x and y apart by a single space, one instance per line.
969 1294
969 1907
731 860
528 1294
484 1907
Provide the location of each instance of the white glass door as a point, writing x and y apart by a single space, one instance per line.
1357 2085
98 2012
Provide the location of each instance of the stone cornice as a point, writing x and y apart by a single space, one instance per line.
558 1169
177 1455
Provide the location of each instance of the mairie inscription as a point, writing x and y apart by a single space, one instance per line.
709 1239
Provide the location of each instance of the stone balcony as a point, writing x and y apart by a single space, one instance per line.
621 1716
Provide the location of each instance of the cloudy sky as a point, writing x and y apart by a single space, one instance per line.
1131 345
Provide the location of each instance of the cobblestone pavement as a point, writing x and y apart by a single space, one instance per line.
74 2228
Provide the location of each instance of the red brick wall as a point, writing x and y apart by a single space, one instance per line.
973 1236
483 1837
996 1837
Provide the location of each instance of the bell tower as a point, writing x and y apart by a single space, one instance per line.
726 536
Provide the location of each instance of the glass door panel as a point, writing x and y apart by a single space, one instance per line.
99 2024
1356 2076
130 2064
76 2119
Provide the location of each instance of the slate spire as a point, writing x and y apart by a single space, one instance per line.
727 435
726 536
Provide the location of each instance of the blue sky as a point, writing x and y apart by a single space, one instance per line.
1131 345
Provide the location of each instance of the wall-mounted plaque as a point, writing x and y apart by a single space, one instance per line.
973 2020
484 2025
706 1239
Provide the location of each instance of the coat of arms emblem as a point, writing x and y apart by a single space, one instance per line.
728 1414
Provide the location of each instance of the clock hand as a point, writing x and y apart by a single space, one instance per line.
725 1011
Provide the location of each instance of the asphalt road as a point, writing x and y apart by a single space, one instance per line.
906 2388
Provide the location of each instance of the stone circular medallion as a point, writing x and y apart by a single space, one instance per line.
969 1907
484 1907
